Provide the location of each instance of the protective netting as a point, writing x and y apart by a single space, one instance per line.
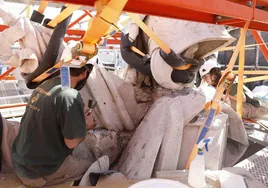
257 165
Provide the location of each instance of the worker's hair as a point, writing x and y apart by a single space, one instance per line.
217 72
78 71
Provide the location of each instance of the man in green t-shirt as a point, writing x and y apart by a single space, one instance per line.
210 73
54 123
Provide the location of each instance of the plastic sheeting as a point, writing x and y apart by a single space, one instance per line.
32 37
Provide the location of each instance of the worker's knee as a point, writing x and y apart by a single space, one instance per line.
9 133
250 111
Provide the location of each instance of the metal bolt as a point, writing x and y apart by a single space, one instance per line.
218 17
249 3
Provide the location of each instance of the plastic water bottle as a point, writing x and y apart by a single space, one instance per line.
196 176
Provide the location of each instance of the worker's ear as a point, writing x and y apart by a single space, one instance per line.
84 74
83 80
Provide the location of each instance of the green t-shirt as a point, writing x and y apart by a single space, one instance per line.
248 94
52 114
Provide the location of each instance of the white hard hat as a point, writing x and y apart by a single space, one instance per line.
207 66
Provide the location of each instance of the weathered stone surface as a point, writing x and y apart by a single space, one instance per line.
106 142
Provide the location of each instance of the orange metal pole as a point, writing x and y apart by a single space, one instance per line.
7 72
76 32
88 13
259 40
9 78
3 27
69 31
67 39
230 21
78 20
13 105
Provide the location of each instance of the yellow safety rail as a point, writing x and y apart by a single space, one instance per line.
246 46
239 103
254 79
252 72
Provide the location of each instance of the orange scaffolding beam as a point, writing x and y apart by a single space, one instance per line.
259 40
76 35
5 74
13 105
78 20
212 11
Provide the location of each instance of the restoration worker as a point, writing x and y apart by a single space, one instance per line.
210 73
54 123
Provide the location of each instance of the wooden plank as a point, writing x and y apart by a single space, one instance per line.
11 181
114 181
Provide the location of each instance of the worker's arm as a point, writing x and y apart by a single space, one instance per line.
90 121
233 93
71 117
90 124
71 144
235 97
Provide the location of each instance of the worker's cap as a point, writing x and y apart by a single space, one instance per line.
208 65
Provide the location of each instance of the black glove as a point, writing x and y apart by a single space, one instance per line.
141 63
196 66
186 76
176 60
125 42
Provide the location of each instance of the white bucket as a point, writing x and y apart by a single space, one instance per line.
158 183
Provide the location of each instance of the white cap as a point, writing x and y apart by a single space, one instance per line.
208 65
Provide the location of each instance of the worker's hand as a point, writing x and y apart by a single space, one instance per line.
90 121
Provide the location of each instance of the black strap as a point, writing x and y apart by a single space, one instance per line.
1 136
37 17
51 54
94 176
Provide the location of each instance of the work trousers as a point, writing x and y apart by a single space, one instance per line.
248 110
72 168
